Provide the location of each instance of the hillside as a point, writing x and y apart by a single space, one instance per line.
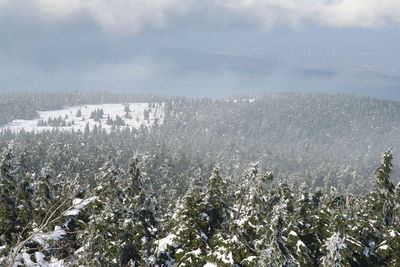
321 140
103 116
296 135
288 178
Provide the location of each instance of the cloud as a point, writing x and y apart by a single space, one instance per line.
124 16
120 16
333 13
133 16
362 13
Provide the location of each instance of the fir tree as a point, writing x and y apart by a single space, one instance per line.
8 197
187 242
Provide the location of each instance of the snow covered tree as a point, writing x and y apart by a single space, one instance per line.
187 242
127 111
44 195
121 227
8 198
337 252
215 201
99 242
385 202
386 187
302 231
276 251
248 219
144 208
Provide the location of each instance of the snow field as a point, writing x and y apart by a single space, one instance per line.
139 114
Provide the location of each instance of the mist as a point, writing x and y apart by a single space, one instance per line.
199 133
196 53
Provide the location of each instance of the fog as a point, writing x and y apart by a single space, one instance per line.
196 50
163 133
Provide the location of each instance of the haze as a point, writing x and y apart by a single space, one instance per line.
201 48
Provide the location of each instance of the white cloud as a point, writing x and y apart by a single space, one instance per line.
124 16
363 13
334 13
132 16
128 16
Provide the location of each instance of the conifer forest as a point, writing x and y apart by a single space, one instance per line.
120 179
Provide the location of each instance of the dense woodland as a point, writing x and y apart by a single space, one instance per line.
270 180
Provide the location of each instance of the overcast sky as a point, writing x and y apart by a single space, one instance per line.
201 47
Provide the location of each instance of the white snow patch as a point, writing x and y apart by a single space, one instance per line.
78 204
242 220
167 241
57 264
56 234
196 252
27 260
203 236
393 233
39 257
384 247
140 114
40 262
293 233
249 259
300 244
224 258
209 264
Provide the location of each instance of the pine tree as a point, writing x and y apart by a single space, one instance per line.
387 201
26 192
44 195
122 227
276 250
340 243
187 242
302 233
249 213
8 198
144 208
386 187
215 201
217 210
337 251
99 244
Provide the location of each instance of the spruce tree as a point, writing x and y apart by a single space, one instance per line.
8 198
99 242
187 242
249 214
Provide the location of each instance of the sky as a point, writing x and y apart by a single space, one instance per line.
212 48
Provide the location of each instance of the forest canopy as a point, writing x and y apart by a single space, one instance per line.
266 180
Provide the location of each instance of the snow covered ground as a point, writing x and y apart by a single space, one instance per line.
113 116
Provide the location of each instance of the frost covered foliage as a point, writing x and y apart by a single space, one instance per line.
36 216
270 225
316 140
188 192
122 226
114 219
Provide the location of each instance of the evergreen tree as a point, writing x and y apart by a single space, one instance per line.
386 187
100 241
187 242
249 213
8 198
276 250
215 202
